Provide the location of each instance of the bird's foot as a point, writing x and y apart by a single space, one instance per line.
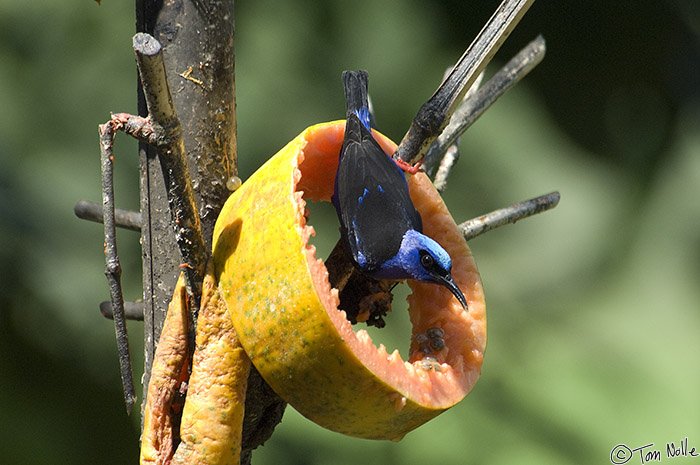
413 169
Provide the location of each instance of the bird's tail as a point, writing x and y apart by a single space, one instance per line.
356 83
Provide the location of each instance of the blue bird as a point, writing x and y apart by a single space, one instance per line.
379 226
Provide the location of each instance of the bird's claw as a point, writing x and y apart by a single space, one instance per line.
405 166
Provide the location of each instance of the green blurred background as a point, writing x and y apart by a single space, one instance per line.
593 308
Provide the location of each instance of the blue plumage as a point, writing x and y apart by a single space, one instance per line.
380 228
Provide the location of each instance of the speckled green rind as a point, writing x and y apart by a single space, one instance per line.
262 265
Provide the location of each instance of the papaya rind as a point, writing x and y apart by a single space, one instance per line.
212 418
159 419
286 315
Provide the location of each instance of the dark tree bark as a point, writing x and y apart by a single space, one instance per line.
198 47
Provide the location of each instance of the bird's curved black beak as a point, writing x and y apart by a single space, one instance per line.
449 283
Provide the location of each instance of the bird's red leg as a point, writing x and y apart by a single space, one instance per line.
413 169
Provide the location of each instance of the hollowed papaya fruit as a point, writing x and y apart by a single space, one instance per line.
286 312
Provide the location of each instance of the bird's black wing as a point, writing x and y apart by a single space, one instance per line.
371 196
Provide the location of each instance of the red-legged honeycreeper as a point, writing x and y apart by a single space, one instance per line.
379 226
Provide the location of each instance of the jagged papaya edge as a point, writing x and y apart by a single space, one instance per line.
438 388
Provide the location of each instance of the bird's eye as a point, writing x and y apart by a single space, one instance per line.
426 260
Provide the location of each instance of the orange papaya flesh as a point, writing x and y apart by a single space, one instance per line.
212 418
286 312
169 370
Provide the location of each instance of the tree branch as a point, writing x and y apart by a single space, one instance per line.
435 114
508 215
451 155
474 106
113 269
132 310
168 141
91 211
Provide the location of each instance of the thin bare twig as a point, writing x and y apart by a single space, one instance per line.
435 114
113 269
132 310
508 215
449 160
451 155
91 211
474 106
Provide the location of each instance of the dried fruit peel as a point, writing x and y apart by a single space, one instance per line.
212 419
166 374
286 315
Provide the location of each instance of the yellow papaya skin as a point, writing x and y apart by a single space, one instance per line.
285 311
212 419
